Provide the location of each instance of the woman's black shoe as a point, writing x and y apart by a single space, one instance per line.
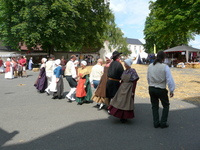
54 97
123 120
79 103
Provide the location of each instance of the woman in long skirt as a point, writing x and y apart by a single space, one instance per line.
41 84
122 105
100 94
57 81
83 89
9 69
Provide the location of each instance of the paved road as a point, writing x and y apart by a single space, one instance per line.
33 121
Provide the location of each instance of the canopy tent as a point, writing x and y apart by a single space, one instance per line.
9 54
183 48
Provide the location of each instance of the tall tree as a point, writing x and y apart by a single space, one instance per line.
115 36
59 24
167 24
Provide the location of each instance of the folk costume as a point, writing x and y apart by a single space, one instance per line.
122 104
70 74
1 66
100 94
158 77
9 69
83 92
41 83
114 75
57 81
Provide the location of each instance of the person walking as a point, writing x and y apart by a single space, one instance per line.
1 66
99 95
22 62
41 83
122 104
84 92
96 73
9 69
30 64
71 76
114 75
50 66
158 75
57 81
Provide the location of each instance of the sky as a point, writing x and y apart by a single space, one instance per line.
130 16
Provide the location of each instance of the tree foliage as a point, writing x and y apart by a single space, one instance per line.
171 23
75 25
71 25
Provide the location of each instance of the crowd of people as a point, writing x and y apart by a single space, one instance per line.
114 84
14 67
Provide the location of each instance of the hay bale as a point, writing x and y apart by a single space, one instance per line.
36 69
196 66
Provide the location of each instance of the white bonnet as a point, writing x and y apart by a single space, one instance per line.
57 61
128 62
84 63
109 55
8 59
44 60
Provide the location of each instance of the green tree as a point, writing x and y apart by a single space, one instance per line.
116 37
75 25
169 24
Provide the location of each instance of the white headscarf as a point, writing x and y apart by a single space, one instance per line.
57 62
84 63
128 62
8 59
44 60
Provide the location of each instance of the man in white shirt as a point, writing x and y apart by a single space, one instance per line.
158 76
96 73
71 76
50 66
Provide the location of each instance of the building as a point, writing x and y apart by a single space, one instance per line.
137 50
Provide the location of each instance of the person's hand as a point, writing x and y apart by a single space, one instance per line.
39 77
171 94
84 86
57 79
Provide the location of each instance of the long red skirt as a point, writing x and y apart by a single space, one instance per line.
122 114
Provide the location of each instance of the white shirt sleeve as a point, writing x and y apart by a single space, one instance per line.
73 71
170 80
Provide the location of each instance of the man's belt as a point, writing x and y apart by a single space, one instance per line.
114 79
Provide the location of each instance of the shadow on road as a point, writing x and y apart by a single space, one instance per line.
108 134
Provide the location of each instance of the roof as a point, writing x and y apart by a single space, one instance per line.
133 41
2 47
182 48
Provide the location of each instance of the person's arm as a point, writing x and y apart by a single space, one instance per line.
170 81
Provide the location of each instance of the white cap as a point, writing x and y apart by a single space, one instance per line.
84 63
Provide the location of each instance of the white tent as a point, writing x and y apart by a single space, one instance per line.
183 48
9 54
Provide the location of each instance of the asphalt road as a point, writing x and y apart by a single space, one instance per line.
33 121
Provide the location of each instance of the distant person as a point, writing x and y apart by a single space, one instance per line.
41 83
122 105
114 75
99 95
1 66
71 76
83 92
22 62
50 66
30 64
8 69
96 73
57 81
63 63
158 76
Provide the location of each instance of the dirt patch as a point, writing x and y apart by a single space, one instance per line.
187 83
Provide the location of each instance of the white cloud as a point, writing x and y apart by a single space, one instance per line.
195 43
132 12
